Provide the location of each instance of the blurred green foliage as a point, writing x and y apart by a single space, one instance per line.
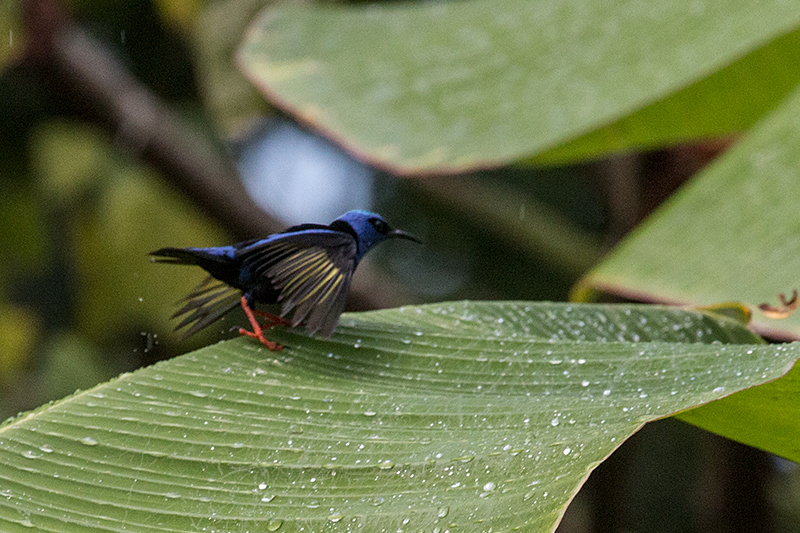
77 239
116 211
12 38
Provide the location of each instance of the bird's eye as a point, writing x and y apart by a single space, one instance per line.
379 225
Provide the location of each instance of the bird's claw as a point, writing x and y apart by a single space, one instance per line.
259 335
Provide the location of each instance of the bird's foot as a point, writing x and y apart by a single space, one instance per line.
259 335
258 330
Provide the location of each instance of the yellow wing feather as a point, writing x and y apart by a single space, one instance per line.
311 274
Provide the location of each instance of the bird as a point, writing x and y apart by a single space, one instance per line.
306 270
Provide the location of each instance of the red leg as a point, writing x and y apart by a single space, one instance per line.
274 320
258 332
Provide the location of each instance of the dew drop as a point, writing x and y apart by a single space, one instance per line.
554 422
274 524
443 511
30 454
585 383
262 486
46 448
172 495
335 517
488 487
268 498
607 392
89 441
370 413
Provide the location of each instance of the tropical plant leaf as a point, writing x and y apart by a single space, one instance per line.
731 234
729 101
426 87
462 416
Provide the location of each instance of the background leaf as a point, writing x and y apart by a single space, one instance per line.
473 416
232 103
731 234
12 38
728 101
444 87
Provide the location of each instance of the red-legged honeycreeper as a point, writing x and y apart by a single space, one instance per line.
306 269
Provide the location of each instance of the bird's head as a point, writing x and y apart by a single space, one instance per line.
370 229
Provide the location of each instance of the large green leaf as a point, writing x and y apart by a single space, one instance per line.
462 416
730 100
447 86
733 233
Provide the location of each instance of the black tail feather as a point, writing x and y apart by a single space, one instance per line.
178 256
215 296
206 304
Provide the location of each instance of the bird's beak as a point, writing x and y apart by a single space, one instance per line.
400 234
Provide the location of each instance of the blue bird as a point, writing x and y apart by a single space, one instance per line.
306 269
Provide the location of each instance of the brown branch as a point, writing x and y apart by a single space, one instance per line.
89 73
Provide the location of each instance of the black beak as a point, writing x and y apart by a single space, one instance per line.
400 234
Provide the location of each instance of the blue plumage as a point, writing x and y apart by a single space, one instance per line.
306 269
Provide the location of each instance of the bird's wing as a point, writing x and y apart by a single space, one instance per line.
310 269
206 304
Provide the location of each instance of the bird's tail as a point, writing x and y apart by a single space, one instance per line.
220 261
179 256
212 299
206 304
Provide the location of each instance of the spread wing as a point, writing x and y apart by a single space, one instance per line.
310 269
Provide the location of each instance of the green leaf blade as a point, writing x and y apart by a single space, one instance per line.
446 87
466 415
730 234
